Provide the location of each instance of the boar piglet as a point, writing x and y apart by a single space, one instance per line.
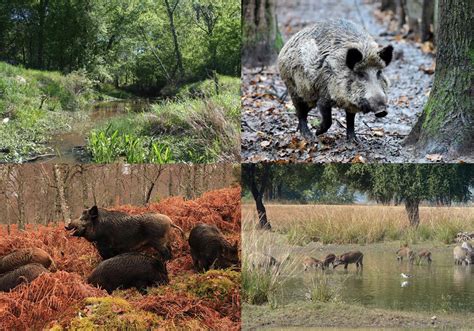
129 270
348 258
25 273
329 259
209 249
335 63
115 232
311 263
25 256
405 251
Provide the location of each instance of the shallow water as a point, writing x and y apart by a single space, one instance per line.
439 286
69 147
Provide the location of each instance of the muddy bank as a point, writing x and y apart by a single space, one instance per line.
341 315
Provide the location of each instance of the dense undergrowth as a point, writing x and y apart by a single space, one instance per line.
190 302
198 126
36 104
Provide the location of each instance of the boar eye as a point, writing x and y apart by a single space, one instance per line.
379 73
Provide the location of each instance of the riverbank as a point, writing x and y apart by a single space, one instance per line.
341 315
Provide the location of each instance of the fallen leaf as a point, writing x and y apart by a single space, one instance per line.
358 159
378 132
265 143
434 157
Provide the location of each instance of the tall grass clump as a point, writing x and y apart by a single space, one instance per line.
356 224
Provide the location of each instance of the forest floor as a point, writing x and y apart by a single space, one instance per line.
63 300
269 123
50 117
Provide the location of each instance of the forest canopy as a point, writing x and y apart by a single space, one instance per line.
143 45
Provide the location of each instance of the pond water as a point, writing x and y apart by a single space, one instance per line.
439 286
69 147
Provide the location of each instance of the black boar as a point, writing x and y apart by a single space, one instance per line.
311 263
209 249
25 256
129 270
115 232
25 273
329 259
349 257
335 63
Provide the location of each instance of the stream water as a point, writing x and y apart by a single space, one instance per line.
439 286
69 147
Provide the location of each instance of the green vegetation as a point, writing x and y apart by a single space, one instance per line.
35 104
186 129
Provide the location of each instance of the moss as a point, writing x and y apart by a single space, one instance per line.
112 313
212 284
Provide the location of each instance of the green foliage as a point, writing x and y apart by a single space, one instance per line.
256 286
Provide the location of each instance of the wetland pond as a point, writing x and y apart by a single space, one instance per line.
70 147
441 286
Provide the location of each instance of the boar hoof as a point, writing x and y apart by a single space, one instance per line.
352 138
306 133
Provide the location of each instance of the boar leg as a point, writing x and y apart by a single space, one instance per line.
302 110
105 251
326 115
350 130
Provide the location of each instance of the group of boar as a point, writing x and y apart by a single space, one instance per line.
411 255
119 238
462 254
344 259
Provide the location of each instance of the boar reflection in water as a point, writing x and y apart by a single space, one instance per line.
25 273
127 271
115 232
210 249
26 256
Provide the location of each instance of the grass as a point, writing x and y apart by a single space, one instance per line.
186 129
356 224
36 104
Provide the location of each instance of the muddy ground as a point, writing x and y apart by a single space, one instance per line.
269 122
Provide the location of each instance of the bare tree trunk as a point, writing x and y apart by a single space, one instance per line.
257 193
170 9
59 182
261 38
388 5
412 209
427 22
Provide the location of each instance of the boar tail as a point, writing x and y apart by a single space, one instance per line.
179 229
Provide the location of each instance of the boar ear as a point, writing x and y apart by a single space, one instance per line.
94 212
386 54
353 56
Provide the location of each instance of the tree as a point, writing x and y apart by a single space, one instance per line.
408 183
446 125
261 37
256 178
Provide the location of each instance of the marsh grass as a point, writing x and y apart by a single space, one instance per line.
358 224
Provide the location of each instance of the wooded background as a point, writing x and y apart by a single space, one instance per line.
39 194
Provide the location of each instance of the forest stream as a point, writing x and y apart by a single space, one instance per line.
70 147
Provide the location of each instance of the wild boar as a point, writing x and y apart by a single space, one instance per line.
348 258
311 263
335 63
209 249
468 246
461 255
406 252
25 273
129 270
329 259
424 255
115 232
262 261
25 256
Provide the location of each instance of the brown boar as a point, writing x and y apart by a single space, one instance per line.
262 261
406 252
311 263
348 258
424 255
25 273
209 249
329 259
25 256
129 270
115 232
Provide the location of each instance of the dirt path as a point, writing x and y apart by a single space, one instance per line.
269 123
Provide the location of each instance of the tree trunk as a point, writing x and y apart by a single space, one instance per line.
257 193
43 5
388 5
170 9
446 125
411 207
58 181
261 38
401 13
427 20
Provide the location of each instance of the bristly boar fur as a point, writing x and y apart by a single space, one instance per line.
115 232
335 63
25 256
129 270
26 273
209 249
